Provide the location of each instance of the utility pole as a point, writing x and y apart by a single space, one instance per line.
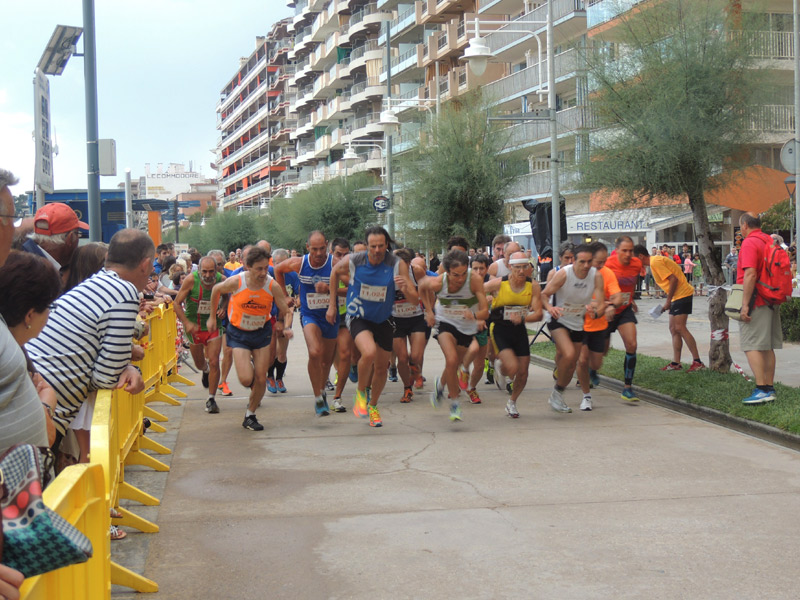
389 181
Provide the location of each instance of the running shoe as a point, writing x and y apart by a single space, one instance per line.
211 406
329 386
321 406
557 402
594 379
586 403
393 374
455 411
353 375
463 377
438 392
408 395
696 366
252 424
473 396
336 379
489 372
374 417
672 367
511 409
499 378
223 387
629 395
510 387
419 382
205 379
280 386
360 404
271 387
759 397
555 373
338 406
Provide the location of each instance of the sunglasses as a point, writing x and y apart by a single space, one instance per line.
17 218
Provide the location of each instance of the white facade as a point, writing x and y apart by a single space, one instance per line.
165 184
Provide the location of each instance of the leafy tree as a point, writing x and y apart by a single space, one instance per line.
454 181
673 106
778 217
21 203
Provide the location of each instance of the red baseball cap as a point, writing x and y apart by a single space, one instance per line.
56 218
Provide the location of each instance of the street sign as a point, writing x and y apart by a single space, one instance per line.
788 153
43 175
380 204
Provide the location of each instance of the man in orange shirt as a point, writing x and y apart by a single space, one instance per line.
669 277
595 330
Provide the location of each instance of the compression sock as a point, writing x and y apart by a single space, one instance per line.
271 370
280 369
630 367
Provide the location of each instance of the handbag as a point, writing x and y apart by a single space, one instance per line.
733 305
37 540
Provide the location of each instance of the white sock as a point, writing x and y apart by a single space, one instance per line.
249 413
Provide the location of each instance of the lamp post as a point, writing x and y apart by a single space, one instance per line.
796 31
477 56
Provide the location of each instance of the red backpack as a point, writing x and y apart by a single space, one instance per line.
774 283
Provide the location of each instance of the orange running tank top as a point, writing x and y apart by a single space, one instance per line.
248 309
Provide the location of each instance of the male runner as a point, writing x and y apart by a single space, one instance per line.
314 270
204 345
280 343
409 324
249 330
573 288
476 354
340 248
227 351
516 300
626 267
374 276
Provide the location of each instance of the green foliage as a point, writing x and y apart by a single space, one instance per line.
790 320
720 391
778 217
675 104
454 181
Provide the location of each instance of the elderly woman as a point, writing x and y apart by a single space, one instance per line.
29 284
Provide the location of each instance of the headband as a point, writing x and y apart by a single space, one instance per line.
519 261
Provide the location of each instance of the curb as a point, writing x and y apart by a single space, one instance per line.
752 428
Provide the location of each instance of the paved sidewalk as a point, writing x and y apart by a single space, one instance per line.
626 501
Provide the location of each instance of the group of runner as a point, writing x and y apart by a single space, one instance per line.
365 307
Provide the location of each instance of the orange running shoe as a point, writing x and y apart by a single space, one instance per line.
223 387
408 395
463 377
473 396
418 383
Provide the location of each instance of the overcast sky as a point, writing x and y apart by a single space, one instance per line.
160 67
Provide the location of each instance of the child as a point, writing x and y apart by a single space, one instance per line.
697 275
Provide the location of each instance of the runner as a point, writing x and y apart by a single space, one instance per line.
596 330
626 267
280 343
227 351
419 266
501 268
460 303
516 301
476 354
567 297
249 330
409 324
340 248
669 277
374 276
204 345
566 256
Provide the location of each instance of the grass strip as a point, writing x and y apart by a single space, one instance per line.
721 391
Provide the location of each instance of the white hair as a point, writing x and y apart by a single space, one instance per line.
7 178
40 238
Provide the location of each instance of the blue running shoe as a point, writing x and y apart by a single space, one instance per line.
759 397
438 392
353 375
271 387
594 379
321 407
629 395
281 387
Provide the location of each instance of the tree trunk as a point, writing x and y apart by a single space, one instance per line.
719 356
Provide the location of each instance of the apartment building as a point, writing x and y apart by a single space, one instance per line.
254 149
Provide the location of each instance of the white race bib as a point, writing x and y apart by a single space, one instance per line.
252 322
508 311
405 309
453 311
204 307
341 301
626 298
372 293
316 301
573 309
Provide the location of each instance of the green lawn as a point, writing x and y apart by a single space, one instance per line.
720 391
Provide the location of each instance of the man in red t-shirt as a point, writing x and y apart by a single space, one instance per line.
627 268
760 327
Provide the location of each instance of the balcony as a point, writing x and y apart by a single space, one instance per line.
771 119
603 11
539 184
527 81
438 11
337 75
402 27
535 133
322 146
366 126
339 107
369 50
365 90
405 66
368 18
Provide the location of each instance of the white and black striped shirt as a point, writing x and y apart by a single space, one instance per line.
86 343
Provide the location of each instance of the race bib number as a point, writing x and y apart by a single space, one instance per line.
252 322
317 301
372 293
626 298
204 307
454 311
508 311
573 309
405 309
341 301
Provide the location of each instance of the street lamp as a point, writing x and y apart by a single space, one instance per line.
477 56
389 121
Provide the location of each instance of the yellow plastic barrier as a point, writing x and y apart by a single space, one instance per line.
77 494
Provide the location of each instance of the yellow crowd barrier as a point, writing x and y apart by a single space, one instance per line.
83 494
77 494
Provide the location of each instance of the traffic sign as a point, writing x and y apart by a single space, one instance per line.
788 153
380 204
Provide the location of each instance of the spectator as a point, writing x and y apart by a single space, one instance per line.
697 275
56 231
22 418
731 265
433 262
84 347
86 261
688 266
162 253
